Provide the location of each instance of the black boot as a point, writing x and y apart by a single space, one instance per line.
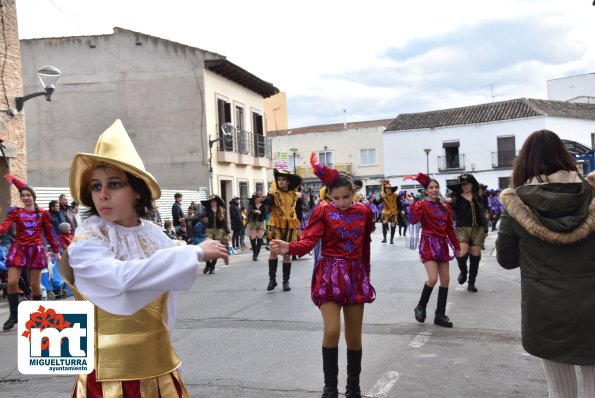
440 318
257 246
286 273
420 310
392 235
212 268
384 232
253 246
272 274
462 261
330 366
354 368
13 303
473 269
207 267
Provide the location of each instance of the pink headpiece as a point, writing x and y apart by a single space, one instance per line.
327 175
20 184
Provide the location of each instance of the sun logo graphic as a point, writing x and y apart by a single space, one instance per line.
56 337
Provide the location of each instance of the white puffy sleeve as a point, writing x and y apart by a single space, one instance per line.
125 286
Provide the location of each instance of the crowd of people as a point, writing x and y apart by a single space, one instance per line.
545 223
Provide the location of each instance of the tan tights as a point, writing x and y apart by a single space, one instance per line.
331 316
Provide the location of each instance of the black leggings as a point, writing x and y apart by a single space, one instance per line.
235 238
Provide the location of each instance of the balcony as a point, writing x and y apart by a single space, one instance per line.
451 163
245 149
503 159
306 171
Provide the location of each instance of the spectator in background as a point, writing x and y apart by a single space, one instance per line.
56 216
65 235
177 214
183 233
66 211
75 209
200 229
169 229
236 222
153 214
547 230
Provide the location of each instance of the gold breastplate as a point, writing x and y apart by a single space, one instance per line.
129 347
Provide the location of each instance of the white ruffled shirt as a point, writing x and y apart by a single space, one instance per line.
122 269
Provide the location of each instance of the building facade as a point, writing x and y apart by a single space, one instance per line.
164 92
482 139
355 148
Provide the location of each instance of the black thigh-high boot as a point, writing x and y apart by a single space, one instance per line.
473 269
258 246
272 274
405 230
440 318
330 366
392 235
354 368
462 261
212 268
384 231
286 273
420 310
13 303
253 246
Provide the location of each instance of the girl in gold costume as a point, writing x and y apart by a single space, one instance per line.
115 262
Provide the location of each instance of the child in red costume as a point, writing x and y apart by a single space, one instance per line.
27 250
341 277
437 237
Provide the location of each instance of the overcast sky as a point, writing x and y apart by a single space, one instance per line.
376 59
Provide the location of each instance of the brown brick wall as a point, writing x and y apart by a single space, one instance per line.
12 129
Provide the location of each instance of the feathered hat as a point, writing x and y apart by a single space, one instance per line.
19 184
327 175
423 179
465 177
393 188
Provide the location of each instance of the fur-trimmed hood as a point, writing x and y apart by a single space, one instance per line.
559 213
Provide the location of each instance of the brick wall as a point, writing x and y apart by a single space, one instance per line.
12 128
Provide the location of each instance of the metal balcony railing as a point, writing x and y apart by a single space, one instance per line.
306 171
503 159
451 163
246 143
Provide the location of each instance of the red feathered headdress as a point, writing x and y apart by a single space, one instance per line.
423 179
327 175
20 184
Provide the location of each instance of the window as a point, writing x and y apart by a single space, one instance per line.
503 182
258 131
326 158
506 151
243 189
368 157
451 152
240 130
223 116
259 187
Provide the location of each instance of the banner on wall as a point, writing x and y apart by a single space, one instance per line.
280 160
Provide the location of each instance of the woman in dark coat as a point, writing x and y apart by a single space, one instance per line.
548 230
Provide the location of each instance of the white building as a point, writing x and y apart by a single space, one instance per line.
352 147
481 139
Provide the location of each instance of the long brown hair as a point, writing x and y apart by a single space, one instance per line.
543 152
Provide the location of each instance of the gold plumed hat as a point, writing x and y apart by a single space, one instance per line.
113 148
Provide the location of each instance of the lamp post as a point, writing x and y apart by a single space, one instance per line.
226 135
427 151
48 76
293 151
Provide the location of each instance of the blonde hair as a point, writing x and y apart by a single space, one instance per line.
591 178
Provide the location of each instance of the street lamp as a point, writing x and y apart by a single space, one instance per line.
48 76
226 135
427 151
294 151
